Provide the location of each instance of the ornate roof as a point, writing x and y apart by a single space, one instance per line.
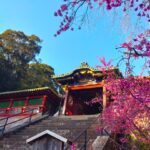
84 65
30 91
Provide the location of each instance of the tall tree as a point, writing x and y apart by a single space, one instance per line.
16 51
38 75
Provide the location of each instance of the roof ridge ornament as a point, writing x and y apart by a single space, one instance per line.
84 65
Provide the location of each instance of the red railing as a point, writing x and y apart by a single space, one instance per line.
8 111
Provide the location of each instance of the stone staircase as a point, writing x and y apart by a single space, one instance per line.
67 126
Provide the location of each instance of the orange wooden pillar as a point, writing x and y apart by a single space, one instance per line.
65 102
104 97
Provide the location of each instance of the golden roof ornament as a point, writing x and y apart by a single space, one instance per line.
84 65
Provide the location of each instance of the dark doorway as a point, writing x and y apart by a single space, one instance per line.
84 102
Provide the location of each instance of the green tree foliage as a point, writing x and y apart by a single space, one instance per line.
38 75
16 51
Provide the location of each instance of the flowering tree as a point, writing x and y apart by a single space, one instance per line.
139 47
129 113
75 12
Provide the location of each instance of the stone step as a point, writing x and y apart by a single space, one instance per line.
57 128
69 127
64 124
29 132
69 122
37 130
25 136
62 133
22 147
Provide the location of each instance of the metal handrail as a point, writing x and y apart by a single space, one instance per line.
6 122
18 114
84 132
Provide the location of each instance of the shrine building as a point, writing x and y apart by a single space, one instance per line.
49 118
42 100
82 86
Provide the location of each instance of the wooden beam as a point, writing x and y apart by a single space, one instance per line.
88 86
65 102
104 97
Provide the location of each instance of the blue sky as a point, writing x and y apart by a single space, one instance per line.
67 51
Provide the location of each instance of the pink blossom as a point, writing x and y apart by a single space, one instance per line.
102 60
126 44
59 12
64 7
55 14
109 63
72 8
